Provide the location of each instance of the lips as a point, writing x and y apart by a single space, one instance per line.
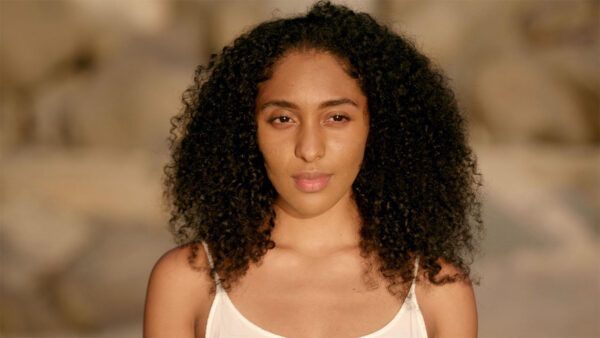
311 181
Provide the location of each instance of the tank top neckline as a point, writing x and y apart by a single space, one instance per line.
221 292
385 328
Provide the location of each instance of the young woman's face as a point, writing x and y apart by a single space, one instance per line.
312 129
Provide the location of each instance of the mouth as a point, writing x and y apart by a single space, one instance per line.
311 181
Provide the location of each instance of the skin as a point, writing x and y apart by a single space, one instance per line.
317 133
315 273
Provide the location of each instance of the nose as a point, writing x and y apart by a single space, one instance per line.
310 145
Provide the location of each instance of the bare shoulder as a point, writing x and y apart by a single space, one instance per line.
178 296
449 310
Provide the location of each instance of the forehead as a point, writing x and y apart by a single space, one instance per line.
309 74
291 59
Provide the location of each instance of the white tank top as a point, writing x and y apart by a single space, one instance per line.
224 320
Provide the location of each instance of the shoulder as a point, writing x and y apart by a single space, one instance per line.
449 310
179 293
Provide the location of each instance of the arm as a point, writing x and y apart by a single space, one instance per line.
449 310
178 296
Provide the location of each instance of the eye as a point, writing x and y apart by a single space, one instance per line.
339 118
282 119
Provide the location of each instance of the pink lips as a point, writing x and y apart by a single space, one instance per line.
311 181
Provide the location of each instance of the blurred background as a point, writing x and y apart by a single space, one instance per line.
88 87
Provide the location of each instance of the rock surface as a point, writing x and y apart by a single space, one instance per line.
539 268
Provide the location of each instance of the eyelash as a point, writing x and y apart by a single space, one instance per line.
279 118
343 117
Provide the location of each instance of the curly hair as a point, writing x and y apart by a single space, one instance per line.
417 189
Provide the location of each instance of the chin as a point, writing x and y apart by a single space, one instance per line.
308 211
308 206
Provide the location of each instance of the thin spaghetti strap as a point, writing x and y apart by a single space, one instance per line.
411 291
210 260
416 268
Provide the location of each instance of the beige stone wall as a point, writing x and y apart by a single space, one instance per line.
88 87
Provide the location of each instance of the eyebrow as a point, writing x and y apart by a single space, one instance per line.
325 104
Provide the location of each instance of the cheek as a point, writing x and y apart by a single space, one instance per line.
351 151
273 152
273 161
355 158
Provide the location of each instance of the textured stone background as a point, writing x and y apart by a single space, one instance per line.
88 87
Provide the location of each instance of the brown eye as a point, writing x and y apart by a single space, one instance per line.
281 120
339 118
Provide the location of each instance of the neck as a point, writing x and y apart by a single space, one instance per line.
337 228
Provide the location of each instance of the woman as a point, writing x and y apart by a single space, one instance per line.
322 187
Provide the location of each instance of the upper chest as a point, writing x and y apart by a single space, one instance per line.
303 297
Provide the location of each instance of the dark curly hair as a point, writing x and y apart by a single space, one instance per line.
417 189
